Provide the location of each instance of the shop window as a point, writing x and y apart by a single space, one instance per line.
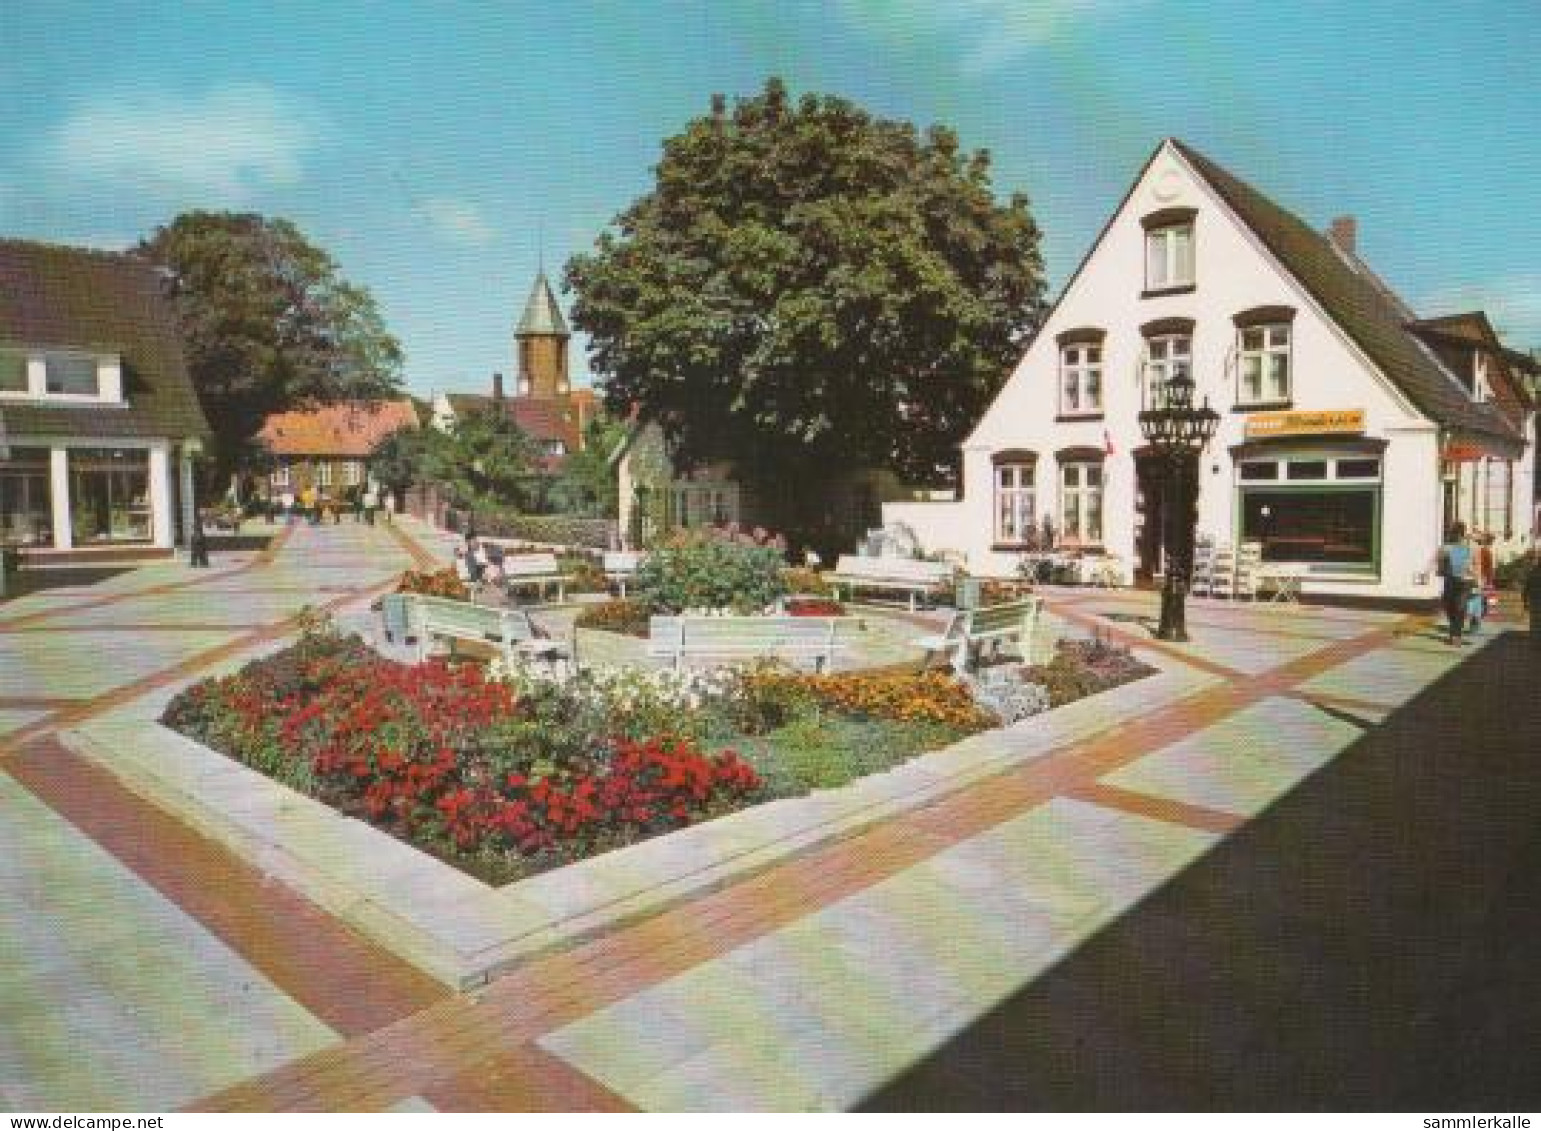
1015 503
1255 471
1169 257
1080 367
1080 504
1306 469
1265 365
26 499
1358 469
1332 526
109 495
1498 498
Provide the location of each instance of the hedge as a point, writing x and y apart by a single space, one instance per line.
555 529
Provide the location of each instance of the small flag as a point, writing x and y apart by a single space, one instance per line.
1107 442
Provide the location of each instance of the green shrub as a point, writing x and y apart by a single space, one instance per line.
628 617
808 582
825 749
694 572
555 529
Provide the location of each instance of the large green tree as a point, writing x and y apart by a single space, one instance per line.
268 322
808 288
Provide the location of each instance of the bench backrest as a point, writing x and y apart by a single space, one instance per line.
896 569
622 561
1012 618
742 633
530 565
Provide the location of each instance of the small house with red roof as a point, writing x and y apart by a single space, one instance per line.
329 447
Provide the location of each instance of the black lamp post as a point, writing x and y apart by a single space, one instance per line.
1178 432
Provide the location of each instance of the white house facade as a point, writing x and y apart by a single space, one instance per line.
99 422
1351 432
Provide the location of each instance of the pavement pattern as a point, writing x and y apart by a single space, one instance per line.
151 968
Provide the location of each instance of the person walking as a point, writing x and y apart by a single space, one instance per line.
370 500
389 510
1457 568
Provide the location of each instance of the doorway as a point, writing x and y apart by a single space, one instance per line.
1151 472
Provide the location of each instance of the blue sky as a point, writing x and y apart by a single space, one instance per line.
436 148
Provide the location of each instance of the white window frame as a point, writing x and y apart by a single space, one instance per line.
1016 502
323 473
1167 266
108 369
1162 361
1080 379
1268 356
281 475
1081 531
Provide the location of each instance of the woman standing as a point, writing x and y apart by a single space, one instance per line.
1457 568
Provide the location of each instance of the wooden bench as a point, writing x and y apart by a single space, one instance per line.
682 637
621 566
993 625
529 569
910 575
423 618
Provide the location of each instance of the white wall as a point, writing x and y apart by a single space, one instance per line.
1233 273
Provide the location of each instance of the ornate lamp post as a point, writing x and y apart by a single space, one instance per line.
1178 432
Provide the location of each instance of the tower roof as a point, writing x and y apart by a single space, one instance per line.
542 315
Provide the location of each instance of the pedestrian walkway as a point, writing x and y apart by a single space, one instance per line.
836 963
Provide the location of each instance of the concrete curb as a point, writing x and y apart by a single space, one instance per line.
464 932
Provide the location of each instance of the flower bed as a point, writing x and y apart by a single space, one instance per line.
438 583
453 760
627 617
504 771
814 607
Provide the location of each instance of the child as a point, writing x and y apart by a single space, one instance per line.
1476 608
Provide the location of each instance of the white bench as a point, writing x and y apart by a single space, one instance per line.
682 637
621 566
906 574
529 569
429 618
993 624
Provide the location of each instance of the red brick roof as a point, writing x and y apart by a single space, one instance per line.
352 429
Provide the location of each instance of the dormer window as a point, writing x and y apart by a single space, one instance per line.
1480 387
1169 250
13 371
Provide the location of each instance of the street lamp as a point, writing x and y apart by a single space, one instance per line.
1178 432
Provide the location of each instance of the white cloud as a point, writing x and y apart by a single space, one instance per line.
989 34
219 148
1512 303
458 221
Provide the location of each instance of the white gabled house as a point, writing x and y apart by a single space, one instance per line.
1351 431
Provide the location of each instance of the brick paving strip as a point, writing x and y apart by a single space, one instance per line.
429 1054
352 985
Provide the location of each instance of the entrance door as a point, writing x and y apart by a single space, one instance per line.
1151 472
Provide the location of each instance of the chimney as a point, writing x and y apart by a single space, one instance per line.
1344 231
497 387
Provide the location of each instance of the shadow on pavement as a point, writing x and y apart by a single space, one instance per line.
1371 941
23 582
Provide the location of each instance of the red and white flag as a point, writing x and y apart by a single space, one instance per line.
1107 442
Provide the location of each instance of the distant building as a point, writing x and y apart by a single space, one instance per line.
99 421
544 405
328 447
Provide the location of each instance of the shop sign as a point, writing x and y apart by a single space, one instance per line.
1262 425
1462 453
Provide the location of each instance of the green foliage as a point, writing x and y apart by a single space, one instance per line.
485 459
699 572
587 484
823 750
628 617
808 288
555 529
268 322
807 582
